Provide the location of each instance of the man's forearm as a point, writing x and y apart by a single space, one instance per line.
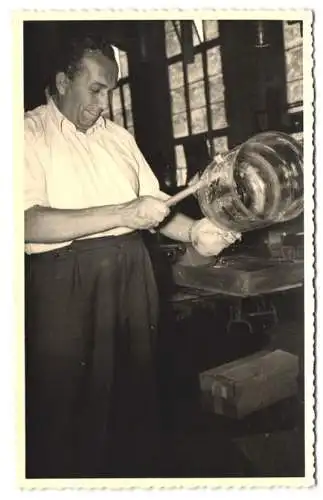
178 228
50 225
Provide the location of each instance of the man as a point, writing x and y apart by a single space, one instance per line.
91 300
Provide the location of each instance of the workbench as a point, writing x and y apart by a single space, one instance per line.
246 282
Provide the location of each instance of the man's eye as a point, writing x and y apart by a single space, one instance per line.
95 91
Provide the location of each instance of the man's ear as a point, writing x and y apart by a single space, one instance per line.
62 83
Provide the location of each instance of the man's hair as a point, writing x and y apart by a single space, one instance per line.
70 52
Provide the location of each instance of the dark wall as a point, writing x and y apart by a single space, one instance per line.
148 72
41 41
254 78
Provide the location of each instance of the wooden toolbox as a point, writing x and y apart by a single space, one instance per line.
249 384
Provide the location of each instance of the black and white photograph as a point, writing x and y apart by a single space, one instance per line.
166 197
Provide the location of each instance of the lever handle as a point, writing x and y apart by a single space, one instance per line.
184 193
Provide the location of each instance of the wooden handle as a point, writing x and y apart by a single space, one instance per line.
188 191
173 200
202 182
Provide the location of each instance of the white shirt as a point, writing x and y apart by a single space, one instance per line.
68 169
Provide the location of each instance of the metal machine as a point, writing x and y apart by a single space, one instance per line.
255 189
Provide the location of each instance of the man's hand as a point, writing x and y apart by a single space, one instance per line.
208 239
144 212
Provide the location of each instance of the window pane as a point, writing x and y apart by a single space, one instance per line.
211 29
197 37
129 118
180 156
169 26
294 91
214 64
181 168
181 176
173 46
197 94
195 69
216 88
123 64
116 101
220 144
178 100
180 125
176 77
292 35
218 116
199 120
126 95
294 63
118 118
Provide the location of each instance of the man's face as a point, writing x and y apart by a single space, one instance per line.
86 95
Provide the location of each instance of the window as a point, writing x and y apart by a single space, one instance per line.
120 107
197 90
293 41
181 170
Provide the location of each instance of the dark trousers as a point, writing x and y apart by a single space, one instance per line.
91 328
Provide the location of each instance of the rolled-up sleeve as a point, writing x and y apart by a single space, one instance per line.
34 175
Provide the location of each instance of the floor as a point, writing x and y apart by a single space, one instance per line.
267 443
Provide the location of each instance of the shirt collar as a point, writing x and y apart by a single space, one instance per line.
62 123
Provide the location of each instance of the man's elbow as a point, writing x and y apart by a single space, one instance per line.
32 216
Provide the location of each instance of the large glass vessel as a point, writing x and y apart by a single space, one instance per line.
256 184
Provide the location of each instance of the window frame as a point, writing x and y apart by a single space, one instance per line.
211 133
